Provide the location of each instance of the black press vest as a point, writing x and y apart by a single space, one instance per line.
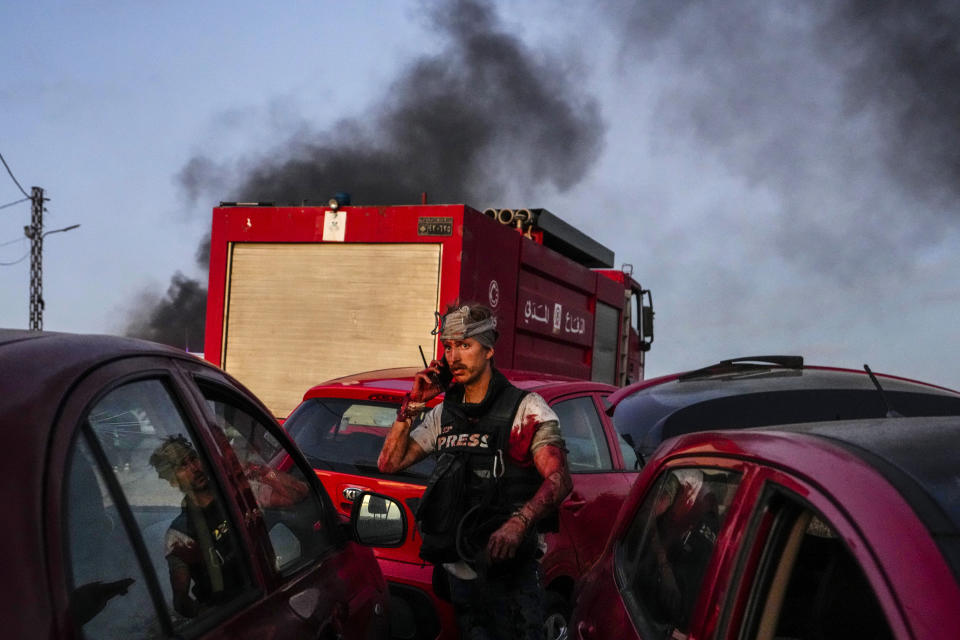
474 488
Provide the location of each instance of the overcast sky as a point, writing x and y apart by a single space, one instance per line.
782 176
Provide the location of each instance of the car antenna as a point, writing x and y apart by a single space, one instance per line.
891 413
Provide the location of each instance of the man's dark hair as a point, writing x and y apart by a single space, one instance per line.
168 456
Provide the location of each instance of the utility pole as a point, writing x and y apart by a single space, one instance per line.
35 233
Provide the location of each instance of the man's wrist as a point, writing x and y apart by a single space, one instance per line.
522 517
409 409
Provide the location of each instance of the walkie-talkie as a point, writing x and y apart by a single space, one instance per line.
444 377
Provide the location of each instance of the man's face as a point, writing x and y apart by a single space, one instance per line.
189 474
468 359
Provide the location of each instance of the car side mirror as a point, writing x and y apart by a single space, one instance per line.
377 520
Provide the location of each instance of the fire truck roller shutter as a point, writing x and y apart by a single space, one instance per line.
301 313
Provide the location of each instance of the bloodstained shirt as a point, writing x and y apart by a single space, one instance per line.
535 425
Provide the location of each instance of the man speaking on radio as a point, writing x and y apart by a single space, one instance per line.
501 473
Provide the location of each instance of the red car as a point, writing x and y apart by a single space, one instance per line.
846 529
340 427
148 494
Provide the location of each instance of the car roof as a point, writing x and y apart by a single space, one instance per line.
750 393
917 450
744 375
916 455
400 380
38 370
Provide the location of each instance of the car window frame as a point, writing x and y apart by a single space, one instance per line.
757 531
614 436
70 425
729 535
616 461
600 403
222 384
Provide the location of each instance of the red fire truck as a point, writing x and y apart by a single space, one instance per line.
302 294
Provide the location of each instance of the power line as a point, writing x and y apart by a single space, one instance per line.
12 177
23 239
10 204
18 261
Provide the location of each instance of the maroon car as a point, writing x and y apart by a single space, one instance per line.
822 530
340 427
149 495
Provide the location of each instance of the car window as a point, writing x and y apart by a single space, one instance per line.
583 434
802 405
163 497
631 461
652 415
109 595
346 435
293 515
662 559
808 584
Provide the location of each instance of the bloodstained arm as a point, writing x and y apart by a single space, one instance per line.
399 449
551 462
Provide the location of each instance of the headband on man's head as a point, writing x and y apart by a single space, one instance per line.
167 457
458 325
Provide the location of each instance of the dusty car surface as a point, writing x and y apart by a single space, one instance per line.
765 390
340 427
149 495
845 529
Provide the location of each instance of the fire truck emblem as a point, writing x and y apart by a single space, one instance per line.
493 294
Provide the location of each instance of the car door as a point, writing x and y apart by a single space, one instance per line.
140 559
329 585
666 561
599 486
805 571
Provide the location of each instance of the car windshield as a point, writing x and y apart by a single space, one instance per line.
344 435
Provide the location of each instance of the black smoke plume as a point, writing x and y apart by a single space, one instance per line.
485 115
901 61
750 73
844 114
176 318
482 116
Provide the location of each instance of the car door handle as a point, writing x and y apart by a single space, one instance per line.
573 503
307 603
304 604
